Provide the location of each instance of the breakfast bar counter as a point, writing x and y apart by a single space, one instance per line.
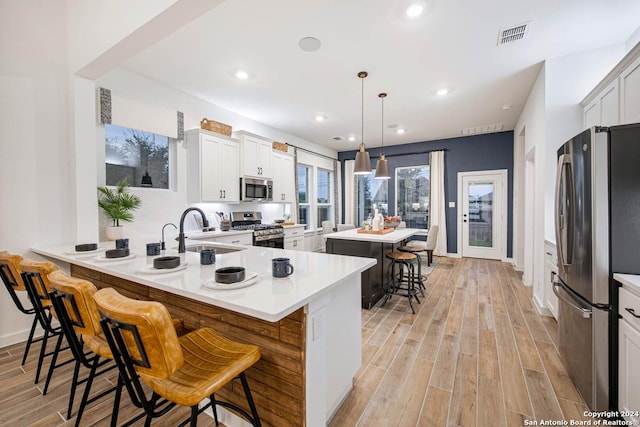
307 325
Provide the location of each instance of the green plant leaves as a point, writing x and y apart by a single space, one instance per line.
118 204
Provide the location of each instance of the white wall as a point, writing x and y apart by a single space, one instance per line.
532 124
34 150
568 80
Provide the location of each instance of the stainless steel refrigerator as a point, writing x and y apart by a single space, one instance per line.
597 216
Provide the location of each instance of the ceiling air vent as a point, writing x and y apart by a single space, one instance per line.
513 34
477 130
338 138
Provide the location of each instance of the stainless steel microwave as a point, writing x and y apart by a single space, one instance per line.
256 190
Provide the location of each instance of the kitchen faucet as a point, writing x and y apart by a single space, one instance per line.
205 223
163 247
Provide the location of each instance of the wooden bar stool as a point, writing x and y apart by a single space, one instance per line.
399 282
35 277
10 272
180 371
418 276
77 312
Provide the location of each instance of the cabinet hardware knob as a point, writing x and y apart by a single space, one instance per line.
548 253
633 312
235 241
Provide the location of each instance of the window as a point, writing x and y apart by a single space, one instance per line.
303 195
372 194
413 186
140 157
325 206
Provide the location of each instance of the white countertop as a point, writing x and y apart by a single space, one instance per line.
395 236
269 299
630 281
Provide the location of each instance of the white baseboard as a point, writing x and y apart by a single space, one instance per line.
455 255
540 308
17 337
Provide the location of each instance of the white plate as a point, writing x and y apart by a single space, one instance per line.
249 279
103 258
74 252
148 269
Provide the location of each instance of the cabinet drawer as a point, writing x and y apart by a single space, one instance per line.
237 239
293 232
630 305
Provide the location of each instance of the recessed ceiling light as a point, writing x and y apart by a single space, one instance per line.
442 91
242 74
393 126
352 138
506 107
320 118
400 131
309 44
414 10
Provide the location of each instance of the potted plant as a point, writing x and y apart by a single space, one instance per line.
118 205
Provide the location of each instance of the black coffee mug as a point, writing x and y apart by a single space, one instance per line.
122 244
153 249
281 267
208 256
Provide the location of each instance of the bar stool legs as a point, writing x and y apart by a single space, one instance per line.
418 278
397 281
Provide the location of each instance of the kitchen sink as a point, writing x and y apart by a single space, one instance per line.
220 249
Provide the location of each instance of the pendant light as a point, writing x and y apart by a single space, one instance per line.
363 163
382 168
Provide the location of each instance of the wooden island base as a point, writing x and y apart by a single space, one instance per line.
276 380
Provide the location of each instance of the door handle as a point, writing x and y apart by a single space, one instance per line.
585 312
224 194
464 220
221 194
632 312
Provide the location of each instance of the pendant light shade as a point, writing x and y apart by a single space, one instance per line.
363 163
382 168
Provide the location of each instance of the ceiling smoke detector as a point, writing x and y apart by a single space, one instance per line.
513 34
477 130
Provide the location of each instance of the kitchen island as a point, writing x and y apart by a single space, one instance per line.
350 242
307 325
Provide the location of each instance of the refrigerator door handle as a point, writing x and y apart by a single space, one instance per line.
585 312
563 224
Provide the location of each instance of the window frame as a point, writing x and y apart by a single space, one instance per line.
309 169
331 197
396 181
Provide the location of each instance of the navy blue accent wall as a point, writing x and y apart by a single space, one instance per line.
464 154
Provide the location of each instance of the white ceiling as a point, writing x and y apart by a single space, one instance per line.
453 44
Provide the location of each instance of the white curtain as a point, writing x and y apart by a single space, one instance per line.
349 192
437 207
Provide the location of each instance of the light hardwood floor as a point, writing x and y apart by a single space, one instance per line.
474 354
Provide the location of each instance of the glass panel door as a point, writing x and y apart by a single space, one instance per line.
481 214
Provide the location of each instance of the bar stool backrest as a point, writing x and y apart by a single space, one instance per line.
77 296
35 276
10 272
141 333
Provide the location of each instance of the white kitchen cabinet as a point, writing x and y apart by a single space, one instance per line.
550 267
616 99
603 110
255 155
283 177
629 354
213 168
630 93
294 237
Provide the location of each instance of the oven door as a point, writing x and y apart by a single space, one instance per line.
272 242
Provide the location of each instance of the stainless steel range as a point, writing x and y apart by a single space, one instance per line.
266 235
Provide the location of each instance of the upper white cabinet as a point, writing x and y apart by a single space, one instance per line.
283 177
616 99
630 89
603 110
255 155
213 167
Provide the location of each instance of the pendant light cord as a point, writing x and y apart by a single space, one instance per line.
362 113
